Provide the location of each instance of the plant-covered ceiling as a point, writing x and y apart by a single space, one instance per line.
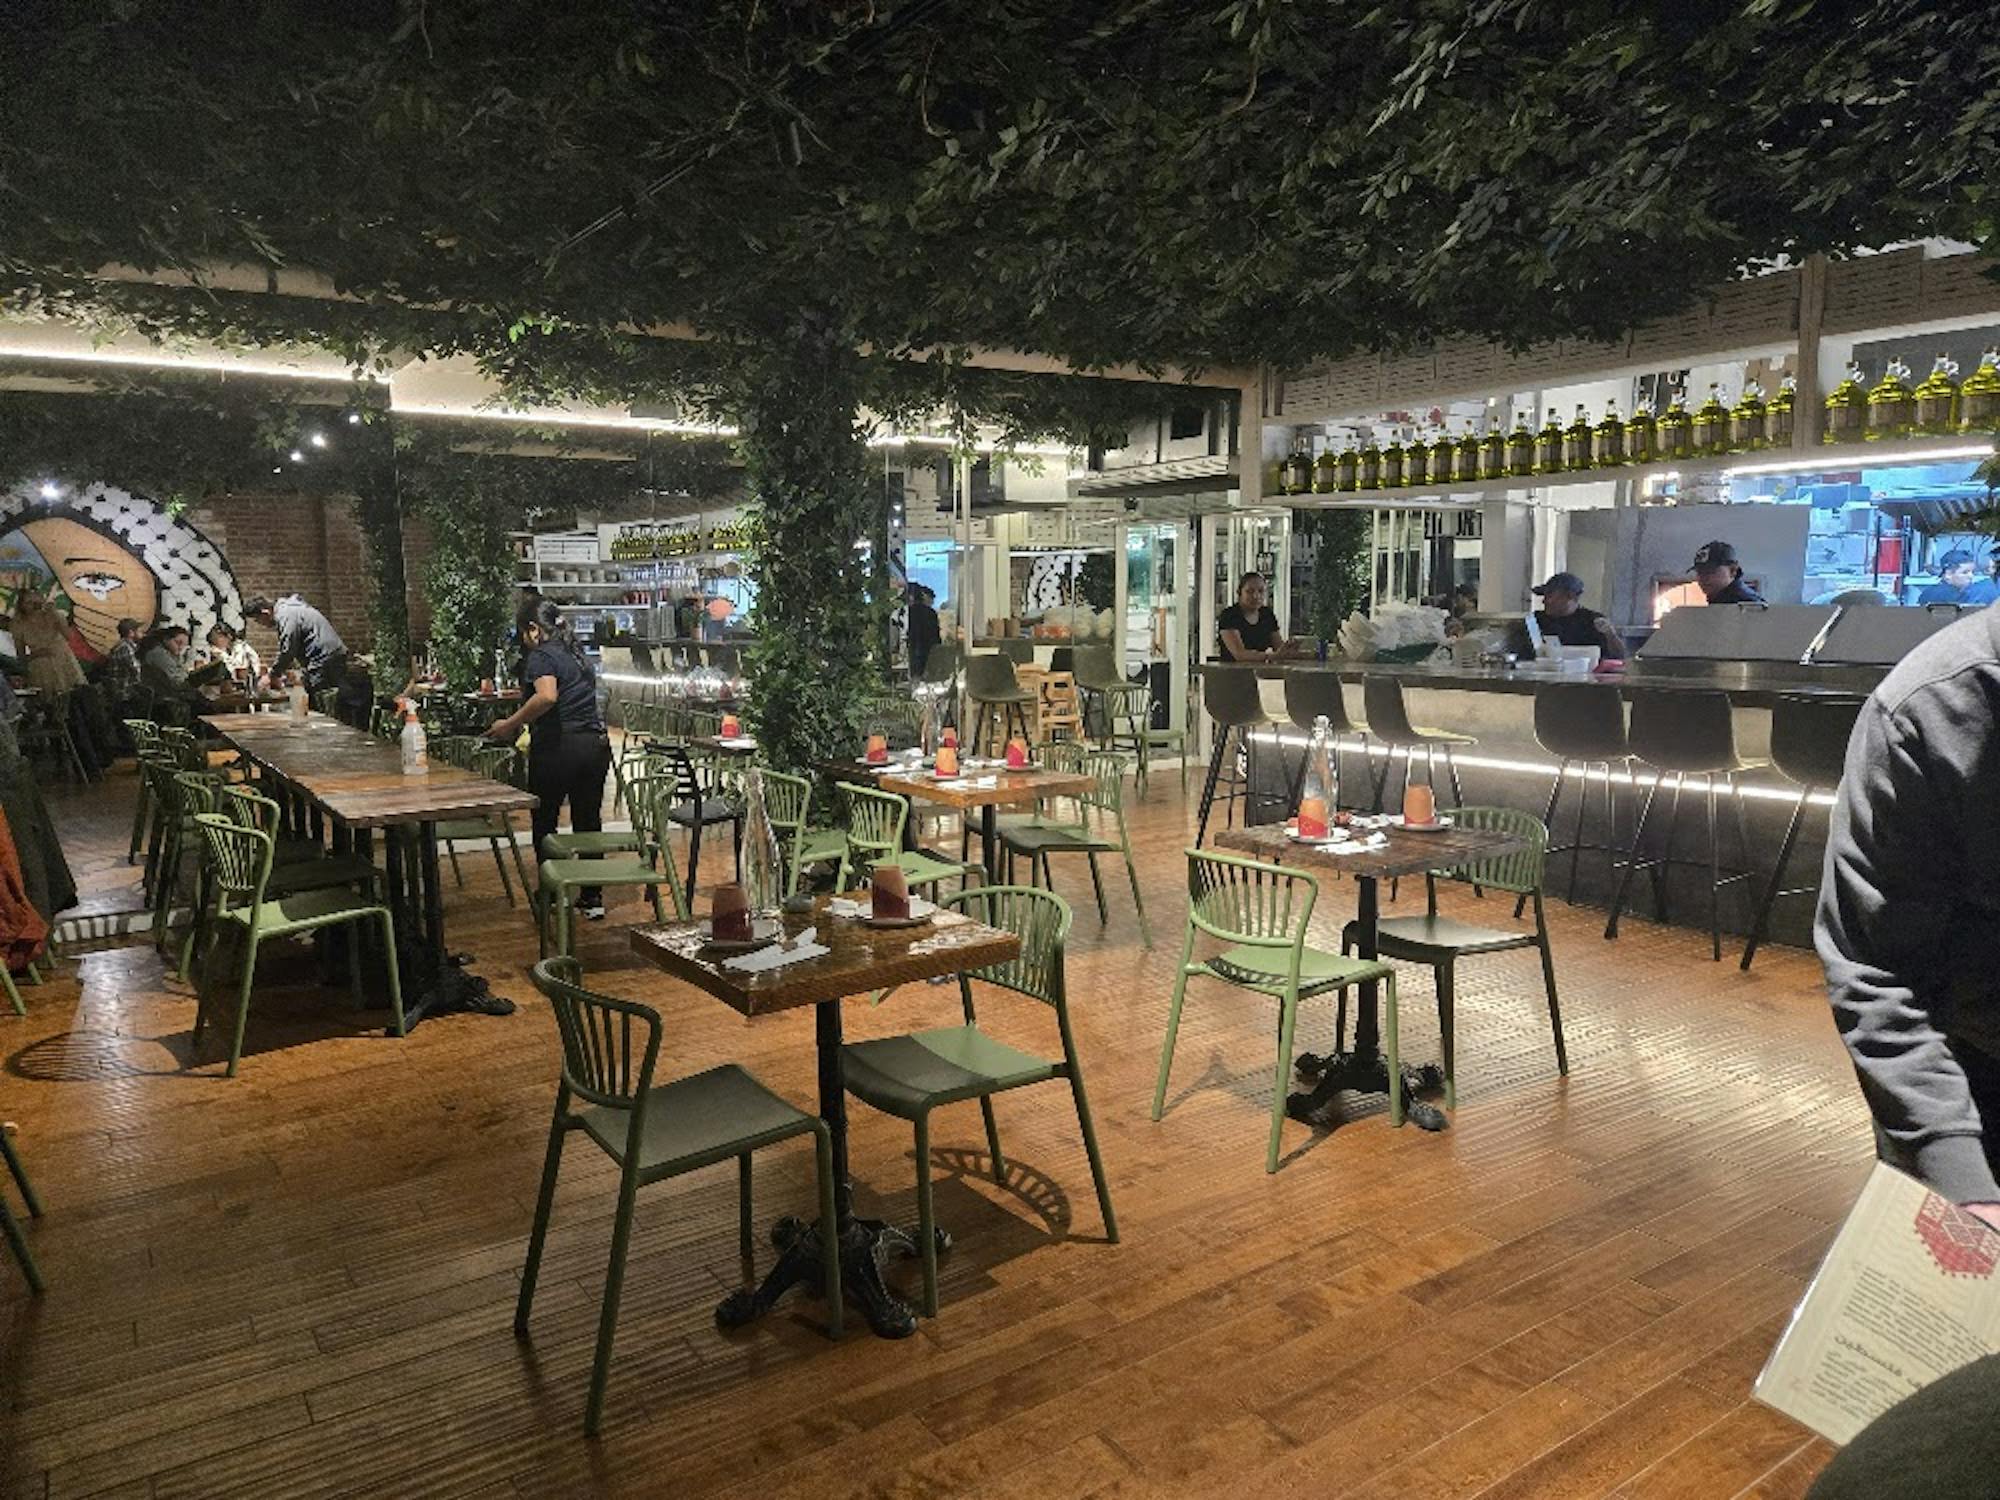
1210 185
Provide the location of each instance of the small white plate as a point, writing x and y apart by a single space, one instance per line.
762 931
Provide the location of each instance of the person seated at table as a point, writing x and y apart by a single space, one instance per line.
1565 622
235 654
163 667
1956 583
569 750
1247 630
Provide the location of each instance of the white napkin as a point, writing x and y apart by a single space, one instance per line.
741 742
840 906
1356 846
777 955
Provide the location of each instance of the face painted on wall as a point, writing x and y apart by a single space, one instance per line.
97 582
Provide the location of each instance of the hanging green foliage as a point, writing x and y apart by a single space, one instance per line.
1340 541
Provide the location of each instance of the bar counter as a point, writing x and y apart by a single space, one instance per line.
1748 684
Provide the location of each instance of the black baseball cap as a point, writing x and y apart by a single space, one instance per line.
1561 583
1714 555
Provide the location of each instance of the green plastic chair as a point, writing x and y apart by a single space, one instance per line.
145 742
239 875
642 723
494 762
909 1076
1099 828
1441 942
647 867
183 795
1261 912
788 804
875 821
9 1226
654 1131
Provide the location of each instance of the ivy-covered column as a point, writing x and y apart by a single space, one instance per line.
807 456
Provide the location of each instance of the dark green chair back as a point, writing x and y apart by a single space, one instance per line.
239 860
875 821
1521 871
1247 903
610 1047
1040 919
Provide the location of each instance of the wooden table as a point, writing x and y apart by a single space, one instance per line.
357 782
863 959
744 746
1363 1070
1008 789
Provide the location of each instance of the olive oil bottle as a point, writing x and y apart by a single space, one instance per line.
1444 456
1642 437
1521 448
1549 446
1711 423
1326 472
1846 409
1416 460
1299 469
1746 419
1979 397
1576 441
1345 469
1676 428
1892 405
1937 397
1392 465
1780 415
1368 472
1607 443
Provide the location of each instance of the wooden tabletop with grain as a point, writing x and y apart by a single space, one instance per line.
1406 853
985 786
862 959
359 779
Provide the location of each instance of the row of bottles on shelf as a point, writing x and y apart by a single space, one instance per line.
643 543
1893 409
1609 443
1938 406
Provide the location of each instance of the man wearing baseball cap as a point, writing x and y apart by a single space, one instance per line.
1721 576
1956 584
1564 620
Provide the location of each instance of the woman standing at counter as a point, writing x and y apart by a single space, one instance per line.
1248 630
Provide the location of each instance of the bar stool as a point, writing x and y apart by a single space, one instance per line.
1119 701
1310 696
1684 734
1389 722
1583 725
1808 747
1019 649
993 691
1232 699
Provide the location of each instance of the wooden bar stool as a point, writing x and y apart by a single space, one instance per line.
1683 734
1808 747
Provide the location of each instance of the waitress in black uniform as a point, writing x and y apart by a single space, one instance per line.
1248 630
569 753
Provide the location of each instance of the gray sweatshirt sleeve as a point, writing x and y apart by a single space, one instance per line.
1892 857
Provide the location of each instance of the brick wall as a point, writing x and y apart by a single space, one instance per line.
307 544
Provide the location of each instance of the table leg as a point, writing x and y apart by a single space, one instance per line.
1363 1070
864 1243
989 842
435 980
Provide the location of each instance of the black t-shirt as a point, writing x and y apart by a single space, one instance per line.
1736 592
1260 635
576 695
1577 628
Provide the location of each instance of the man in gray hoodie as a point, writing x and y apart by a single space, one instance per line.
1909 912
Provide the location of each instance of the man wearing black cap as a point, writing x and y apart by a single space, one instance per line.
1955 583
1564 621
1721 576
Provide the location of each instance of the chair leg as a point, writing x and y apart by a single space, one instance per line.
500 864
1097 885
694 851
926 1223
1287 1025
1451 769
18 1242
1549 821
746 1235
1089 1130
451 853
1771 886
1447 992
829 1232
1216 753
520 868
1173 1029
993 1137
1582 819
1631 864
243 1003
13 994
1663 869
545 1202
1714 874
1549 984
20 1175
1392 1050
614 1285
395 973
1138 901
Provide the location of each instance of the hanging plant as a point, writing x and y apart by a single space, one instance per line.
1339 566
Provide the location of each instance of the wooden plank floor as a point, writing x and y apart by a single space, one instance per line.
300 1282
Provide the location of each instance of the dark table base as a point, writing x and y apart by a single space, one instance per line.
1361 1073
864 1245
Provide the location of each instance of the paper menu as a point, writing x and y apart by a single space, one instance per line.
1909 1292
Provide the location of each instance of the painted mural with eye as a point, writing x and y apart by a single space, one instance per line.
103 555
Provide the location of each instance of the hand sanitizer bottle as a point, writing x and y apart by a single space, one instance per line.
415 745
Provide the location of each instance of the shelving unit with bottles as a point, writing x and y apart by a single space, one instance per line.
630 574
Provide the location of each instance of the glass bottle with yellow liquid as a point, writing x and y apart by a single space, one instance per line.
1676 428
1444 456
1326 471
1780 415
1468 463
1576 441
1416 460
1846 409
1521 448
1345 469
1892 405
1299 469
1711 423
1549 446
1392 464
1368 470
1607 443
1979 397
1937 397
1746 419
1642 437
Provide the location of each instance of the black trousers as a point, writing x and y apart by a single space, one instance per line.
571 768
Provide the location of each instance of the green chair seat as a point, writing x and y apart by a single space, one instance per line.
817 845
1267 968
1035 838
473 828
1417 938
694 1121
327 870
301 911
560 872
927 869
570 845
907 1075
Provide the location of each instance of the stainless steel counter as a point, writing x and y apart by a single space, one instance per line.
1749 684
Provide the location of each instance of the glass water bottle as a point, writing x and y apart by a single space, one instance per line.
763 872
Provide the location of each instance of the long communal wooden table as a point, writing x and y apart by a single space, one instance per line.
338 774
861 960
1364 1070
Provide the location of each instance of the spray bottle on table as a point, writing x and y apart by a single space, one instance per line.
415 744
296 700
